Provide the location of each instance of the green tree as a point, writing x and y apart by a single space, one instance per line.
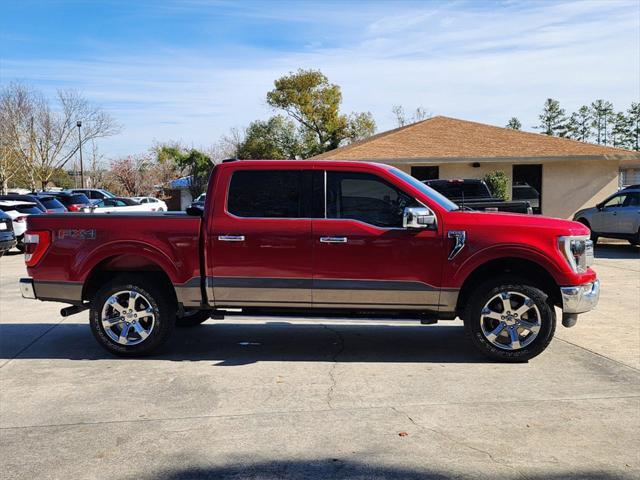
273 138
313 102
634 125
497 182
602 113
514 124
579 126
552 119
192 163
621 134
61 178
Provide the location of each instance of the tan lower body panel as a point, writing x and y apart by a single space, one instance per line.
329 293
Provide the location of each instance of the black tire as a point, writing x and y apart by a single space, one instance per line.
593 236
20 246
160 301
635 241
1 253
193 318
491 288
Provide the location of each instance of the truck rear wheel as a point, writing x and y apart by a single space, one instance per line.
510 320
132 315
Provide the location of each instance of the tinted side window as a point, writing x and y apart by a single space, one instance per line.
633 200
616 201
366 197
266 194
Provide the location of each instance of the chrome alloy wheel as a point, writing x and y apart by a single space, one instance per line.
128 317
510 320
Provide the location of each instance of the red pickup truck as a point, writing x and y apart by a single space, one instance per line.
315 238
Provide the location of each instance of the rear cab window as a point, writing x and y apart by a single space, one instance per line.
273 194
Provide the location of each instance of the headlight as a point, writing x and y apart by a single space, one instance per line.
578 251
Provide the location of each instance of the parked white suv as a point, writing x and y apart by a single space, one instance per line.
617 217
19 210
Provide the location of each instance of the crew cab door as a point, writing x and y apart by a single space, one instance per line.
363 257
628 217
258 248
606 219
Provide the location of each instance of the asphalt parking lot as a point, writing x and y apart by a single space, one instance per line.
298 400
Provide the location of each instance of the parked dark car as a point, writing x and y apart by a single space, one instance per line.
31 198
7 237
524 191
53 205
73 202
474 194
94 193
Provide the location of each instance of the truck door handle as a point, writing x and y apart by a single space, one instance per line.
333 239
231 238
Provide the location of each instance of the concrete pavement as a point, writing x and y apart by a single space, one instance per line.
298 399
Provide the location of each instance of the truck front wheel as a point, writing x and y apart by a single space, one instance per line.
510 320
132 315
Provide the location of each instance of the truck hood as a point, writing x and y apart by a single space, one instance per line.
510 221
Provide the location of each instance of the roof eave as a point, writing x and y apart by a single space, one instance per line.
527 159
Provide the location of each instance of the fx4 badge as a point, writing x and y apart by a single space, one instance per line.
77 234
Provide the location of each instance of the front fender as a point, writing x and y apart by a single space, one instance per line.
461 270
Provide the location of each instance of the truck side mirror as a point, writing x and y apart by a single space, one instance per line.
418 217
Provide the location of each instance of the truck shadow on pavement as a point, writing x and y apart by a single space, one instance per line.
238 343
341 469
617 251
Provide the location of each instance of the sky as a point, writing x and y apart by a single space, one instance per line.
191 70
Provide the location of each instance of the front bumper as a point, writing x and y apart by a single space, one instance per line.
580 298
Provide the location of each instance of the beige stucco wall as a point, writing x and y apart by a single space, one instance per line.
567 186
570 186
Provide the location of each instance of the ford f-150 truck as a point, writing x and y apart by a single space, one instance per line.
309 238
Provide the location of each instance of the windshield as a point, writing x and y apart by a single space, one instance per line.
440 199
51 203
79 198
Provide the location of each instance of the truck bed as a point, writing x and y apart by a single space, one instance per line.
515 206
80 241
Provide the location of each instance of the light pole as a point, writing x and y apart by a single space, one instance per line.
79 124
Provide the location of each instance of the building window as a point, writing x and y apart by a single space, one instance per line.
629 176
527 185
426 173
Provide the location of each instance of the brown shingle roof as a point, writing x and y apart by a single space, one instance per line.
444 137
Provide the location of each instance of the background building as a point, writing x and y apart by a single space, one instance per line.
567 174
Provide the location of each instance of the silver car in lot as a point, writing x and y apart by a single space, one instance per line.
616 217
